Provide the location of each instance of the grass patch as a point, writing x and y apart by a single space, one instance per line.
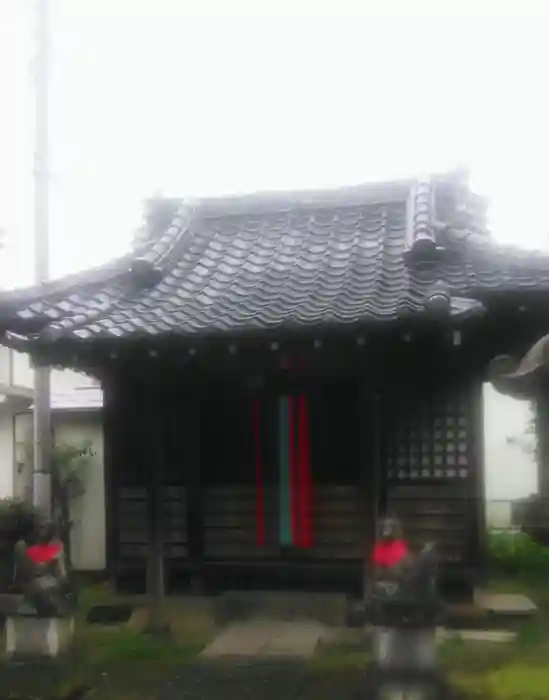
96 594
514 681
504 671
517 554
123 661
131 665
483 670
341 658
191 630
110 646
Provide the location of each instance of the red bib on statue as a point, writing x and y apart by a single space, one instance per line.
389 554
43 553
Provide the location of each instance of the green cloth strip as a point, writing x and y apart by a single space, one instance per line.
285 523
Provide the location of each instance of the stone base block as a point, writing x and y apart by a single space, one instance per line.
34 637
404 649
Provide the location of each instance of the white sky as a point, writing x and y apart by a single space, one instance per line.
213 96
204 96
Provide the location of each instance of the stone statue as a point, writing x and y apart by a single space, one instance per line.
42 573
397 572
402 603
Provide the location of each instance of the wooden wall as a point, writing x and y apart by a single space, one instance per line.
145 435
415 452
228 470
432 466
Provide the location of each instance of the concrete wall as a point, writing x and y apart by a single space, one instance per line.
5 365
22 471
510 472
62 381
499 514
6 454
88 535
23 374
88 512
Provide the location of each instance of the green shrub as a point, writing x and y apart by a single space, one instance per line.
517 554
16 520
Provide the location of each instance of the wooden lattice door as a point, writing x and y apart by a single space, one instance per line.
430 467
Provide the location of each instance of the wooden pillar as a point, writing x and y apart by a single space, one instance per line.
478 533
370 470
379 475
111 395
195 500
154 409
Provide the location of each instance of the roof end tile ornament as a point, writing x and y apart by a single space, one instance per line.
438 301
423 252
157 251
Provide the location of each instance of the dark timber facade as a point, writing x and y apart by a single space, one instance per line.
280 369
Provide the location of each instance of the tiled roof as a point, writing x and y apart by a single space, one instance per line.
286 261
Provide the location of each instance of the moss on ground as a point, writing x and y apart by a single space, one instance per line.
127 664
120 660
499 671
483 670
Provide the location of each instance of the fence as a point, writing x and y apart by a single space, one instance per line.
530 513
499 515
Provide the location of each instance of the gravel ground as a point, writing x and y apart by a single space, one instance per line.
276 680
231 679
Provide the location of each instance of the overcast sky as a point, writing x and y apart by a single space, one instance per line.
200 97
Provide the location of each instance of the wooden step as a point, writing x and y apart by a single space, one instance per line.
327 608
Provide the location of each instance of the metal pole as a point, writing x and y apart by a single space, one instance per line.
42 496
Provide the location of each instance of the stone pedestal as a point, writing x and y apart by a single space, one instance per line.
387 688
405 649
35 637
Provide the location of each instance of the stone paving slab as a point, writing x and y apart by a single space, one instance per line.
266 638
240 639
489 636
505 603
361 638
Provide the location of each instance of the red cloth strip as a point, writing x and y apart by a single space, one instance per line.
304 474
307 480
258 466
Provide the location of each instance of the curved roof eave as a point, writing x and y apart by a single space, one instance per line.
522 379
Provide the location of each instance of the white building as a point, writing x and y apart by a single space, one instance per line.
510 470
76 402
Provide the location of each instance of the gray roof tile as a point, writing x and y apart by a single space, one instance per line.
283 261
